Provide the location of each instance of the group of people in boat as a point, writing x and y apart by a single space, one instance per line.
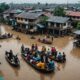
11 56
46 39
44 58
6 35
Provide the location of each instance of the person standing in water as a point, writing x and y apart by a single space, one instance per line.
22 48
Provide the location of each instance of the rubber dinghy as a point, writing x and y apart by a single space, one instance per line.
12 61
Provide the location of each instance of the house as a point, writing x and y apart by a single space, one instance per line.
28 20
73 15
9 14
58 25
50 10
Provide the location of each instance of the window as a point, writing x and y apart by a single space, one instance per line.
31 20
26 19
64 24
18 18
22 19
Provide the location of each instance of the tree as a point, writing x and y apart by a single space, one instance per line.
78 26
59 11
3 7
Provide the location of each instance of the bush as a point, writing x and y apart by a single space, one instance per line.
78 26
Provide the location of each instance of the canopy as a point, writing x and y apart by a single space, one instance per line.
77 32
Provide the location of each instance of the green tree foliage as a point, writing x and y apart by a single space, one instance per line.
78 25
59 11
3 7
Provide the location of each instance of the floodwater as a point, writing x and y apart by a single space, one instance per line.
68 71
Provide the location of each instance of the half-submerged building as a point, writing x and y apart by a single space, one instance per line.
59 25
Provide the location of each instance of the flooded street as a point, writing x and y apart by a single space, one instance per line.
68 71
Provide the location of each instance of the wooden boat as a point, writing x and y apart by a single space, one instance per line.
35 67
6 36
57 60
13 63
45 41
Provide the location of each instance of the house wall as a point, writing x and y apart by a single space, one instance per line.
58 25
28 21
74 18
5 16
58 28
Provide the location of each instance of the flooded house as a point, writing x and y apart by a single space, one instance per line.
73 15
59 25
77 38
9 15
28 20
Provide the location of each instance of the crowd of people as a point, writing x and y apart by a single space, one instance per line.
44 58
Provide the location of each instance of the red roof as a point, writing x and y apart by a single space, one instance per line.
73 13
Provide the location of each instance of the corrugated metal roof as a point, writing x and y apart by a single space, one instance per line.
28 15
77 32
57 19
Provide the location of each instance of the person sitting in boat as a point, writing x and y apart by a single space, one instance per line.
51 64
25 52
64 56
37 58
46 57
32 61
28 57
48 52
8 34
41 65
43 49
16 59
59 57
10 54
36 47
53 51
42 57
22 48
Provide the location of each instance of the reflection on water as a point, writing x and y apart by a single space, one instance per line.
42 77
60 66
76 52
68 71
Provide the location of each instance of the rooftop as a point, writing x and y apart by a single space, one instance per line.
12 11
73 13
57 19
77 32
28 15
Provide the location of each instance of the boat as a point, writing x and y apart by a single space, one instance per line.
12 62
6 36
57 60
35 67
45 41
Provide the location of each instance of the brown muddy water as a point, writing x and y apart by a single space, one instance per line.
68 71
